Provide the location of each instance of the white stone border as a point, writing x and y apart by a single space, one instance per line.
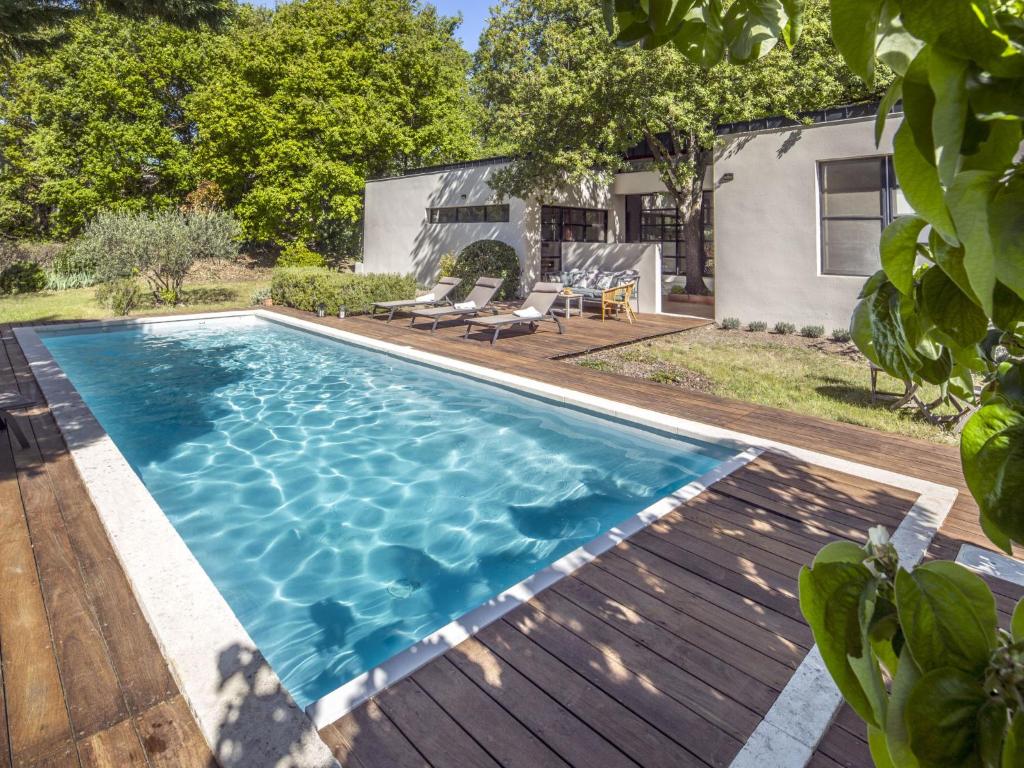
991 564
796 728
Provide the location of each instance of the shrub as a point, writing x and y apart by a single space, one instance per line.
730 323
678 290
813 331
488 258
72 267
298 254
305 287
758 326
22 277
259 296
161 247
841 335
121 295
785 328
446 265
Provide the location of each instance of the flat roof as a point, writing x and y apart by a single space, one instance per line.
831 115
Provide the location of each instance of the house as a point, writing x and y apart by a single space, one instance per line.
792 217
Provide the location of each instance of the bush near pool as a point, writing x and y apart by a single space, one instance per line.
305 287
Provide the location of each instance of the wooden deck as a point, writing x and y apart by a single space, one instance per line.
667 650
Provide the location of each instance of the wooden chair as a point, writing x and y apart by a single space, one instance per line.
616 299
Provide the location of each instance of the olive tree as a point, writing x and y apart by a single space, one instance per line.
918 652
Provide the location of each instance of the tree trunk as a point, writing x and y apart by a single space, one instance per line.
693 241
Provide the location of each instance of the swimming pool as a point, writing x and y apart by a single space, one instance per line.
348 503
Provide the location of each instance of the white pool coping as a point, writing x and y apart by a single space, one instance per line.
990 563
194 624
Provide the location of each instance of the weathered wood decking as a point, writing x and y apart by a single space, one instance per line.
666 650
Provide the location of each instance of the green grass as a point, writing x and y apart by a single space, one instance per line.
791 375
81 304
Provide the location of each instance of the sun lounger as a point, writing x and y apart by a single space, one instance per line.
437 296
8 402
536 308
478 300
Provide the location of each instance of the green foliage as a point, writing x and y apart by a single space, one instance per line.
677 290
446 265
757 326
120 295
298 254
813 331
22 277
259 296
34 26
488 258
784 329
841 335
279 117
306 287
160 247
298 108
730 323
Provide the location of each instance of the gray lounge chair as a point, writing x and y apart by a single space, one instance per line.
481 295
541 299
440 291
8 402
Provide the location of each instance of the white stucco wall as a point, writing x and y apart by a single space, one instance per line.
643 257
767 233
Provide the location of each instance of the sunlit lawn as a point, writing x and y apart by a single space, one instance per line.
81 304
813 377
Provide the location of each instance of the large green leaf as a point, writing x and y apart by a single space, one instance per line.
831 599
951 261
955 313
991 733
879 748
992 454
892 95
752 28
854 30
919 180
893 350
948 616
947 77
942 718
1017 622
1008 312
896 47
1013 747
898 741
1006 224
969 198
899 251
995 98
996 151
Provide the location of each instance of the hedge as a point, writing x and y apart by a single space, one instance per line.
486 258
305 287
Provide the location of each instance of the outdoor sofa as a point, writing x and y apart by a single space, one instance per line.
591 283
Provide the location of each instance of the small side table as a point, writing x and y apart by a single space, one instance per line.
568 307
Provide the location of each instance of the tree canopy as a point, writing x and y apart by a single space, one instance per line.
287 113
567 102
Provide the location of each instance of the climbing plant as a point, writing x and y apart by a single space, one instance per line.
917 652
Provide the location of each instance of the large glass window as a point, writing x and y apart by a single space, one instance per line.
559 224
467 214
858 199
653 218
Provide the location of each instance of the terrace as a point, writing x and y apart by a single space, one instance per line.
682 645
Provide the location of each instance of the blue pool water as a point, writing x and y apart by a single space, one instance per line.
346 503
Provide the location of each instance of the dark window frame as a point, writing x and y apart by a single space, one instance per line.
462 214
887 189
662 225
558 220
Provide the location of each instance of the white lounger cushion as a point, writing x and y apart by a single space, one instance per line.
464 305
529 313
426 297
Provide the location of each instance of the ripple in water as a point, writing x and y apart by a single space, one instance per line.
347 504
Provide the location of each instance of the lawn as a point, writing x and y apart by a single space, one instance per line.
816 377
81 304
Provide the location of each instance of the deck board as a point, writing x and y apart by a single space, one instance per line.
665 651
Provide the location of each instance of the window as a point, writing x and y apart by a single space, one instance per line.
467 214
858 199
653 218
559 224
